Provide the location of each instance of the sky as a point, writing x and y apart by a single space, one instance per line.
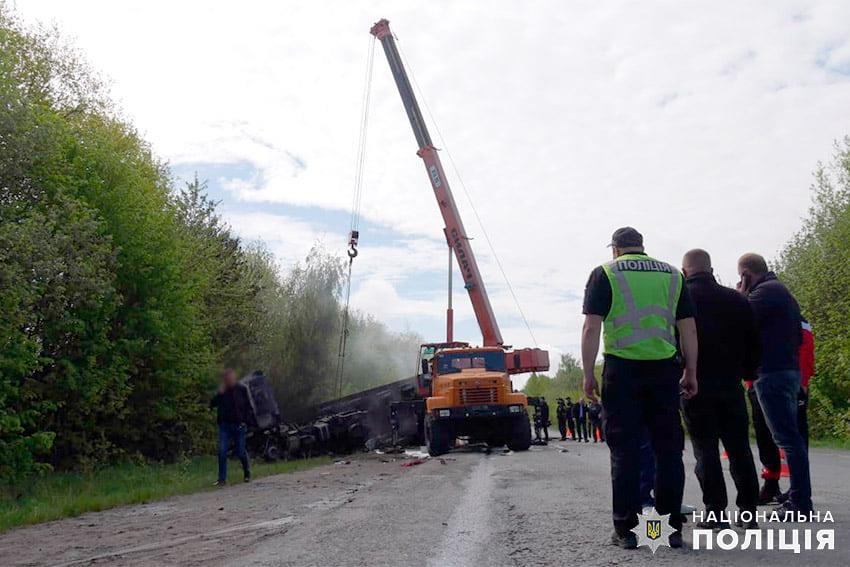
699 123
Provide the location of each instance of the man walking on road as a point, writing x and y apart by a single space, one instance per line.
640 302
232 408
728 351
779 322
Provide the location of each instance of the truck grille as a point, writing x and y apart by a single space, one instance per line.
478 396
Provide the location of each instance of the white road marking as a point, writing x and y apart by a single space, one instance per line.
469 525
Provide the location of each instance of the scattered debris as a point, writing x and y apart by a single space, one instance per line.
417 453
413 463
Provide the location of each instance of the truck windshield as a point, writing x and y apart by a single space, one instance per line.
455 362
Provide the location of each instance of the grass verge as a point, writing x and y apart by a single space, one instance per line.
62 495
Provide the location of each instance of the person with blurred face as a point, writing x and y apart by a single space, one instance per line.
232 409
777 386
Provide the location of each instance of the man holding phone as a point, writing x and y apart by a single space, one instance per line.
641 303
777 386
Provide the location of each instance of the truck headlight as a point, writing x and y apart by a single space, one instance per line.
444 412
515 409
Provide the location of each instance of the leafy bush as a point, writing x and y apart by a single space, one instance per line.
815 265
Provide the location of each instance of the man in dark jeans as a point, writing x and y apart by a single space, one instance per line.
728 352
779 323
233 409
769 455
639 304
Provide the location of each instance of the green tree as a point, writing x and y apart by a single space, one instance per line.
815 265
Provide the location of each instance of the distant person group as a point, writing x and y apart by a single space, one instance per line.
580 421
678 341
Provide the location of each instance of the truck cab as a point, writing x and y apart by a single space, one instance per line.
468 393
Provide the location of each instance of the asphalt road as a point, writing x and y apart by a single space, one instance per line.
549 506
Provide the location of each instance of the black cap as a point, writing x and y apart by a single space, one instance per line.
626 237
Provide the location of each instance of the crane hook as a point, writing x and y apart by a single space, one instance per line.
353 239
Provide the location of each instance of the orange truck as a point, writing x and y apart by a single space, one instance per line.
468 391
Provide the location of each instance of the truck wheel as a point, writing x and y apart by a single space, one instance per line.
520 434
272 454
437 437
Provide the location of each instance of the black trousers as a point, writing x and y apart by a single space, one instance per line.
596 430
714 417
581 429
571 427
638 394
562 426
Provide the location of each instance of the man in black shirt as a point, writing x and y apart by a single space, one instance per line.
642 304
232 409
728 353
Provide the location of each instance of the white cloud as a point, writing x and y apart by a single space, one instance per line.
698 123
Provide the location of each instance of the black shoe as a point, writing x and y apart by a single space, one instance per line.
676 541
220 483
783 497
769 492
247 478
626 541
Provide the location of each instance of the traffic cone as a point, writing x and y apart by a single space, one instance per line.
784 470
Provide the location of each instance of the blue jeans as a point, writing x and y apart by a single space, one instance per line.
237 433
777 395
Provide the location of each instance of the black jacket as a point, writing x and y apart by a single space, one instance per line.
544 411
728 340
232 406
778 321
579 411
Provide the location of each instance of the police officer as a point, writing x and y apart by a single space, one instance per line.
544 417
561 414
571 423
639 303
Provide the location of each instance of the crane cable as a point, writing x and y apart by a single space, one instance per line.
354 229
468 196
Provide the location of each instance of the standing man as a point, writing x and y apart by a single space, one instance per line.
728 351
779 323
571 423
641 303
769 456
232 408
594 414
561 414
579 419
544 417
